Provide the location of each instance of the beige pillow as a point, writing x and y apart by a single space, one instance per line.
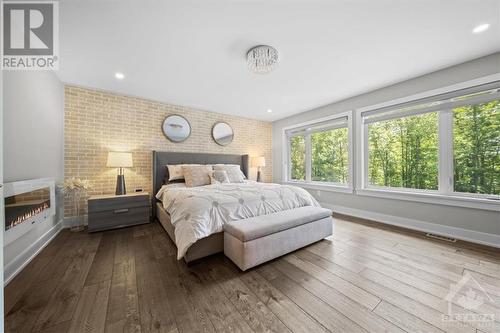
197 175
233 171
175 172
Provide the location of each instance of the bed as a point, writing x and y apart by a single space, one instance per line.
199 213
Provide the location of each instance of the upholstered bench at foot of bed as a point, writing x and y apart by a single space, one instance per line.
255 240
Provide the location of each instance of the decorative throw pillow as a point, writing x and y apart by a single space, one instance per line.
175 172
233 171
197 175
219 177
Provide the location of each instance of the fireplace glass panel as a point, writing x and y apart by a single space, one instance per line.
22 207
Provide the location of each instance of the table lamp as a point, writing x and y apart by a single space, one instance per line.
259 162
120 160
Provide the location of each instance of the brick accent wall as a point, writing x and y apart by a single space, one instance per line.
97 122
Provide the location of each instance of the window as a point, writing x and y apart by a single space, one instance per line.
403 152
319 152
447 144
330 158
476 153
298 157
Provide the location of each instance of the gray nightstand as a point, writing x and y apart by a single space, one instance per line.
116 211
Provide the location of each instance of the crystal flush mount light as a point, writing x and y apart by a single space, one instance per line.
262 59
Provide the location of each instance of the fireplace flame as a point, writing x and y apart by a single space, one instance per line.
23 217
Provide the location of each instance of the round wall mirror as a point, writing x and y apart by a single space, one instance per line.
176 128
222 133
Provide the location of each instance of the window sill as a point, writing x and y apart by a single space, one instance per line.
433 198
321 186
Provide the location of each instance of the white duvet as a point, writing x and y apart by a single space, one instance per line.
198 212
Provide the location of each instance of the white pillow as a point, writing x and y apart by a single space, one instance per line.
219 177
233 171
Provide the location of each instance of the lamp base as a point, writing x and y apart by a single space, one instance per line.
120 185
258 176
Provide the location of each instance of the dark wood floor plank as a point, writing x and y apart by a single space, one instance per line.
90 313
62 304
363 256
285 309
22 282
102 266
319 267
188 315
324 289
350 290
123 305
419 239
255 313
448 271
22 317
162 244
58 328
25 312
437 303
334 254
129 280
327 316
213 301
55 245
408 278
155 312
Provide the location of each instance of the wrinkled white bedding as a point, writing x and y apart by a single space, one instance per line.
198 212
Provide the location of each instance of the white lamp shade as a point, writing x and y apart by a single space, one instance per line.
119 160
259 161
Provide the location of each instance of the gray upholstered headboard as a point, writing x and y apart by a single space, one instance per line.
162 158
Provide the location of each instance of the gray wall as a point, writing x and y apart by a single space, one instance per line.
33 146
472 219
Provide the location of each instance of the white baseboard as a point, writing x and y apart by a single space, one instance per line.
453 232
24 258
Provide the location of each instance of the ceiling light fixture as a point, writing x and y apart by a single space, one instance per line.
262 59
119 75
480 28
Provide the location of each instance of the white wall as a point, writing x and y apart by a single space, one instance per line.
390 210
33 147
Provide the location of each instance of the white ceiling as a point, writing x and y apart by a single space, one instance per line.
192 53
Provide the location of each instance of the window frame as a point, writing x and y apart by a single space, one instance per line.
445 193
318 185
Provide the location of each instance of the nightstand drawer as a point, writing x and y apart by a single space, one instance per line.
119 217
115 211
118 202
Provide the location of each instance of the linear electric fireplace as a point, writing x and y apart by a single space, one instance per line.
27 204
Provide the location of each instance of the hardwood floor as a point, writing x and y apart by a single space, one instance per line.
365 278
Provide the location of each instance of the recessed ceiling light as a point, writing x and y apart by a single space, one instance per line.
480 28
269 110
119 75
